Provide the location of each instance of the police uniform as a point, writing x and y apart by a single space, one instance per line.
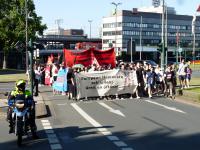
29 102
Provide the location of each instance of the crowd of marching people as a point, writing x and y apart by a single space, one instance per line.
150 81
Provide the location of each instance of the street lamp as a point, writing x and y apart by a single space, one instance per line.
140 38
26 28
116 6
90 22
163 36
194 37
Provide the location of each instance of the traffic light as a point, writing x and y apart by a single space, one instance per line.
30 45
159 47
129 47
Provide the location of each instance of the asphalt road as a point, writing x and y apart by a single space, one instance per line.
129 124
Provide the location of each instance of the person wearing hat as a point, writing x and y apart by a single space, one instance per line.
21 93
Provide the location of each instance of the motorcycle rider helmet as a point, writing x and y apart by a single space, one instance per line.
21 85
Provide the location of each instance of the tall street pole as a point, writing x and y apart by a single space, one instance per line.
141 38
162 38
116 8
131 49
194 37
166 35
26 28
177 46
90 22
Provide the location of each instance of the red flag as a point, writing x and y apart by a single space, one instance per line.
198 9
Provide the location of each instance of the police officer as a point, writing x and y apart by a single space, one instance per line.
20 91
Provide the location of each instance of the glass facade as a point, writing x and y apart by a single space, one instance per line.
150 30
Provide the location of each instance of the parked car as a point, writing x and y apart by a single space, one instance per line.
151 62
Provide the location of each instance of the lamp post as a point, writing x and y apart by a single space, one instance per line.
116 7
90 22
162 37
194 37
26 28
141 38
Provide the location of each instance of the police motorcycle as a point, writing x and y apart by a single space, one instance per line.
20 116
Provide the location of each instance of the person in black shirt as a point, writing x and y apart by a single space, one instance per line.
70 83
140 78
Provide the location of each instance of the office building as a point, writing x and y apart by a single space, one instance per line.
144 26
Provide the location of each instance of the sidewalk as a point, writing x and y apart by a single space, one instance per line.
40 105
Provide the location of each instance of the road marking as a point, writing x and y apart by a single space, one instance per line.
99 127
44 121
120 144
56 146
127 148
46 124
52 138
118 112
166 107
113 138
62 104
47 127
49 131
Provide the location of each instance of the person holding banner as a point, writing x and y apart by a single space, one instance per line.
150 80
60 85
140 78
71 83
135 80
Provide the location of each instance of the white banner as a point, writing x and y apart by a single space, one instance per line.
104 83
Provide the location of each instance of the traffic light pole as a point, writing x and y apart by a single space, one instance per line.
31 65
162 38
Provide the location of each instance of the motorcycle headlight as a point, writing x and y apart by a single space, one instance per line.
19 105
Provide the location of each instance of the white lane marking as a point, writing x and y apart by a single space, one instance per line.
127 148
113 138
87 117
47 127
53 135
100 128
120 144
106 133
52 138
56 146
167 107
62 104
118 112
46 124
45 121
49 131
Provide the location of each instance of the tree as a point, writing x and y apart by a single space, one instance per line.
13 23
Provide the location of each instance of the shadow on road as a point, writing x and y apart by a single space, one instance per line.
75 138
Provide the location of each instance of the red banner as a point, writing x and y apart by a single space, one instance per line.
47 75
86 57
105 57
74 57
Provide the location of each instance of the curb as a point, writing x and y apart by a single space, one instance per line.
187 101
41 110
192 96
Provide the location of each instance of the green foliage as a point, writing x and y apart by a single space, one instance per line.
13 23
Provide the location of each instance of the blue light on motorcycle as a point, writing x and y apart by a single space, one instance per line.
11 102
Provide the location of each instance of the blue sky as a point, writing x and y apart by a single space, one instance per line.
76 13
